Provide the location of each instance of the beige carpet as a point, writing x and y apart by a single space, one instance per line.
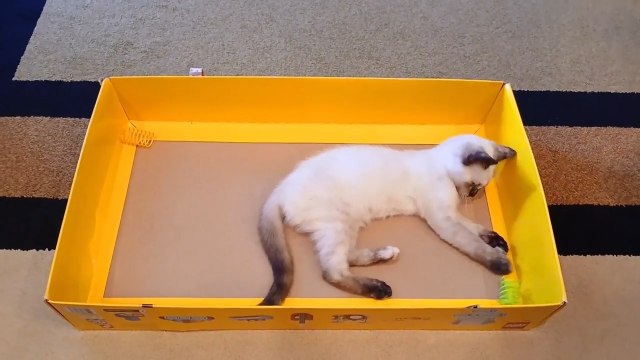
535 44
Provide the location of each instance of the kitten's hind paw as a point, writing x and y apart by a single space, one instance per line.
387 253
494 240
377 289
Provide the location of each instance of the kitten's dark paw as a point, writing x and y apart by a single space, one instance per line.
500 266
494 239
378 289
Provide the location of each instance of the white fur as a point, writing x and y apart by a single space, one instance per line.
334 194
389 252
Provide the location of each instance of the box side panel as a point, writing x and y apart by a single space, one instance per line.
524 207
306 100
79 243
416 134
276 318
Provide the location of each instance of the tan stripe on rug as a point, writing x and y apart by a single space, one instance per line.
39 155
588 165
578 165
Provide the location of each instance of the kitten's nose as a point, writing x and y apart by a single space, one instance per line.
473 192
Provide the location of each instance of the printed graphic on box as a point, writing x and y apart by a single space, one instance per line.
349 318
478 317
252 318
127 314
187 319
90 316
301 318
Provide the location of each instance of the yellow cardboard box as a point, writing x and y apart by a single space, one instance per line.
135 112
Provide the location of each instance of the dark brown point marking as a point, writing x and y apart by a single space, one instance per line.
494 239
479 157
358 285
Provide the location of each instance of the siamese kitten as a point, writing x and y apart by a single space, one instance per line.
331 196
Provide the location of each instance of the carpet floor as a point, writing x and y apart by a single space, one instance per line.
573 64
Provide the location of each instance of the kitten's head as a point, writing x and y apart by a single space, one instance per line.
472 162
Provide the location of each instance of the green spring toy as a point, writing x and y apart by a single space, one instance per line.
509 292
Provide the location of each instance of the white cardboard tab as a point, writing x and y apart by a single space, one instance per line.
196 72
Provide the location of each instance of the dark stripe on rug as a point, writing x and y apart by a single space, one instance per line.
34 223
76 99
18 19
596 230
49 98
568 108
30 223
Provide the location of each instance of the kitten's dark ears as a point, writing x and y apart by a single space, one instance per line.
504 152
485 160
479 157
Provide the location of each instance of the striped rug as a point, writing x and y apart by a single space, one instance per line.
574 65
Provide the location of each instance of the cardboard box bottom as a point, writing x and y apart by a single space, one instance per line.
188 230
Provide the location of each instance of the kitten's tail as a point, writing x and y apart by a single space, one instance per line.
271 231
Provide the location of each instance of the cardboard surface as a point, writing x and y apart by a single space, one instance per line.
188 229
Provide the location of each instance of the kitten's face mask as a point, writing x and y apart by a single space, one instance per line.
479 167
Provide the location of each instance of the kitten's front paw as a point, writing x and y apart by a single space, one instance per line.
494 240
500 265
378 289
